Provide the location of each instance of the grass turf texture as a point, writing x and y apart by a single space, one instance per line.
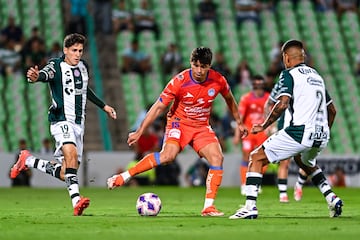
31 213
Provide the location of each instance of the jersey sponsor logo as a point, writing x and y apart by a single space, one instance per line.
318 136
80 91
196 110
211 92
175 133
314 81
188 95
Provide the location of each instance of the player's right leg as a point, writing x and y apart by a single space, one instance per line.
257 159
27 160
168 154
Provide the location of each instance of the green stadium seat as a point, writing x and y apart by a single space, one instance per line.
134 98
153 87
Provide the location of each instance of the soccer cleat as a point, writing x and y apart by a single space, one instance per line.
115 181
284 199
297 193
81 205
245 213
335 207
20 164
211 211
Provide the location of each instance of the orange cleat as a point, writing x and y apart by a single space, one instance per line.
212 212
20 164
81 205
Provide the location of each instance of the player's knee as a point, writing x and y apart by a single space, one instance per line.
167 157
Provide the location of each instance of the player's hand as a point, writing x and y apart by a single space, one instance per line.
110 111
32 74
257 128
133 137
243 131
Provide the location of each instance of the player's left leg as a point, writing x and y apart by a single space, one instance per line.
318 178
282 180
213 154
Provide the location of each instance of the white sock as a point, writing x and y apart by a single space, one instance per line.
208 202
126 176
29 162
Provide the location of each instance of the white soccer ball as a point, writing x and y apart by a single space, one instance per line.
148 204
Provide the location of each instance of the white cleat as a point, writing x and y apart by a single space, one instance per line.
245 213
335 207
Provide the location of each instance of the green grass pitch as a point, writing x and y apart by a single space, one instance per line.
32 213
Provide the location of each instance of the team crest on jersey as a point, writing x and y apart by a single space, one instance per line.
211 92
76 73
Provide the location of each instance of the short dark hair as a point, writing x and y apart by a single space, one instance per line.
73 39
291 43
203 54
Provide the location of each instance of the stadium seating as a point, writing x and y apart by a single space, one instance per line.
26 105
332 43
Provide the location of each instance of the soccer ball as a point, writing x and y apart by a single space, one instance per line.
148 204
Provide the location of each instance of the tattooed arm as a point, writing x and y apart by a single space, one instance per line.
276 111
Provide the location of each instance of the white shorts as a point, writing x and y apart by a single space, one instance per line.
281 146
67 132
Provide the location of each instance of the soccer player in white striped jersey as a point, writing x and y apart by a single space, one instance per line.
303 92
68 78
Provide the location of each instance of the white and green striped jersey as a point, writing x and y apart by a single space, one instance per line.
308 104
69 89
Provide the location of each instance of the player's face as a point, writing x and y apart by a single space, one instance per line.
73 54
199 70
